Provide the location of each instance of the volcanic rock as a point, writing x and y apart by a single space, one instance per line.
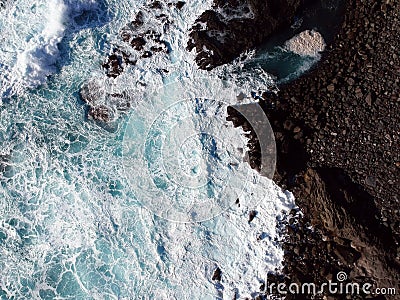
232 27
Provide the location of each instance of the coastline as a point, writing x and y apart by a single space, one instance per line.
336 134
337 130
79 216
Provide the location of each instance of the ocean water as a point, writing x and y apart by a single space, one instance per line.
146 207
323 16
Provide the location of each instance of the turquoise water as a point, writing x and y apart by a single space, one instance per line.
74 222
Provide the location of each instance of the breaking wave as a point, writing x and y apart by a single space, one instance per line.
35 58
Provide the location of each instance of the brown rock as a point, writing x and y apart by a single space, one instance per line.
368 99
217 274
100 113
252 215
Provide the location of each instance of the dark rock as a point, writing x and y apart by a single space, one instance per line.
100 113
156 5
180 4
147 54
138 43
344 166
217 274
262 287
139 20
252 215
141 39
232 36
113 66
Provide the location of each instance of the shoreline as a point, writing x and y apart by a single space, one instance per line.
335 129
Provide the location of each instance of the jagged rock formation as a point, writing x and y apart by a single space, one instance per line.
139 41
223 33
142 40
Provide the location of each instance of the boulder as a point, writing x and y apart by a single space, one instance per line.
235 26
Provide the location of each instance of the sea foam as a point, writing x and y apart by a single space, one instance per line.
38 61
73 226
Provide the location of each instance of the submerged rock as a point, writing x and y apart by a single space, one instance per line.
5 166
100 113
91 93
102 105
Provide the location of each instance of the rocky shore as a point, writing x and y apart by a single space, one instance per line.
235 26
139 41
139 37
337 130
336 127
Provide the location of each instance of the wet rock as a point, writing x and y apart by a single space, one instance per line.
156 5
147 54
262 287
217 274
144 41
116 62
113 66
180 4
137 42
252 215
232 35
100 113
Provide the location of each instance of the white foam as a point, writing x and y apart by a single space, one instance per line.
230 243
69 193
36 59
37 62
